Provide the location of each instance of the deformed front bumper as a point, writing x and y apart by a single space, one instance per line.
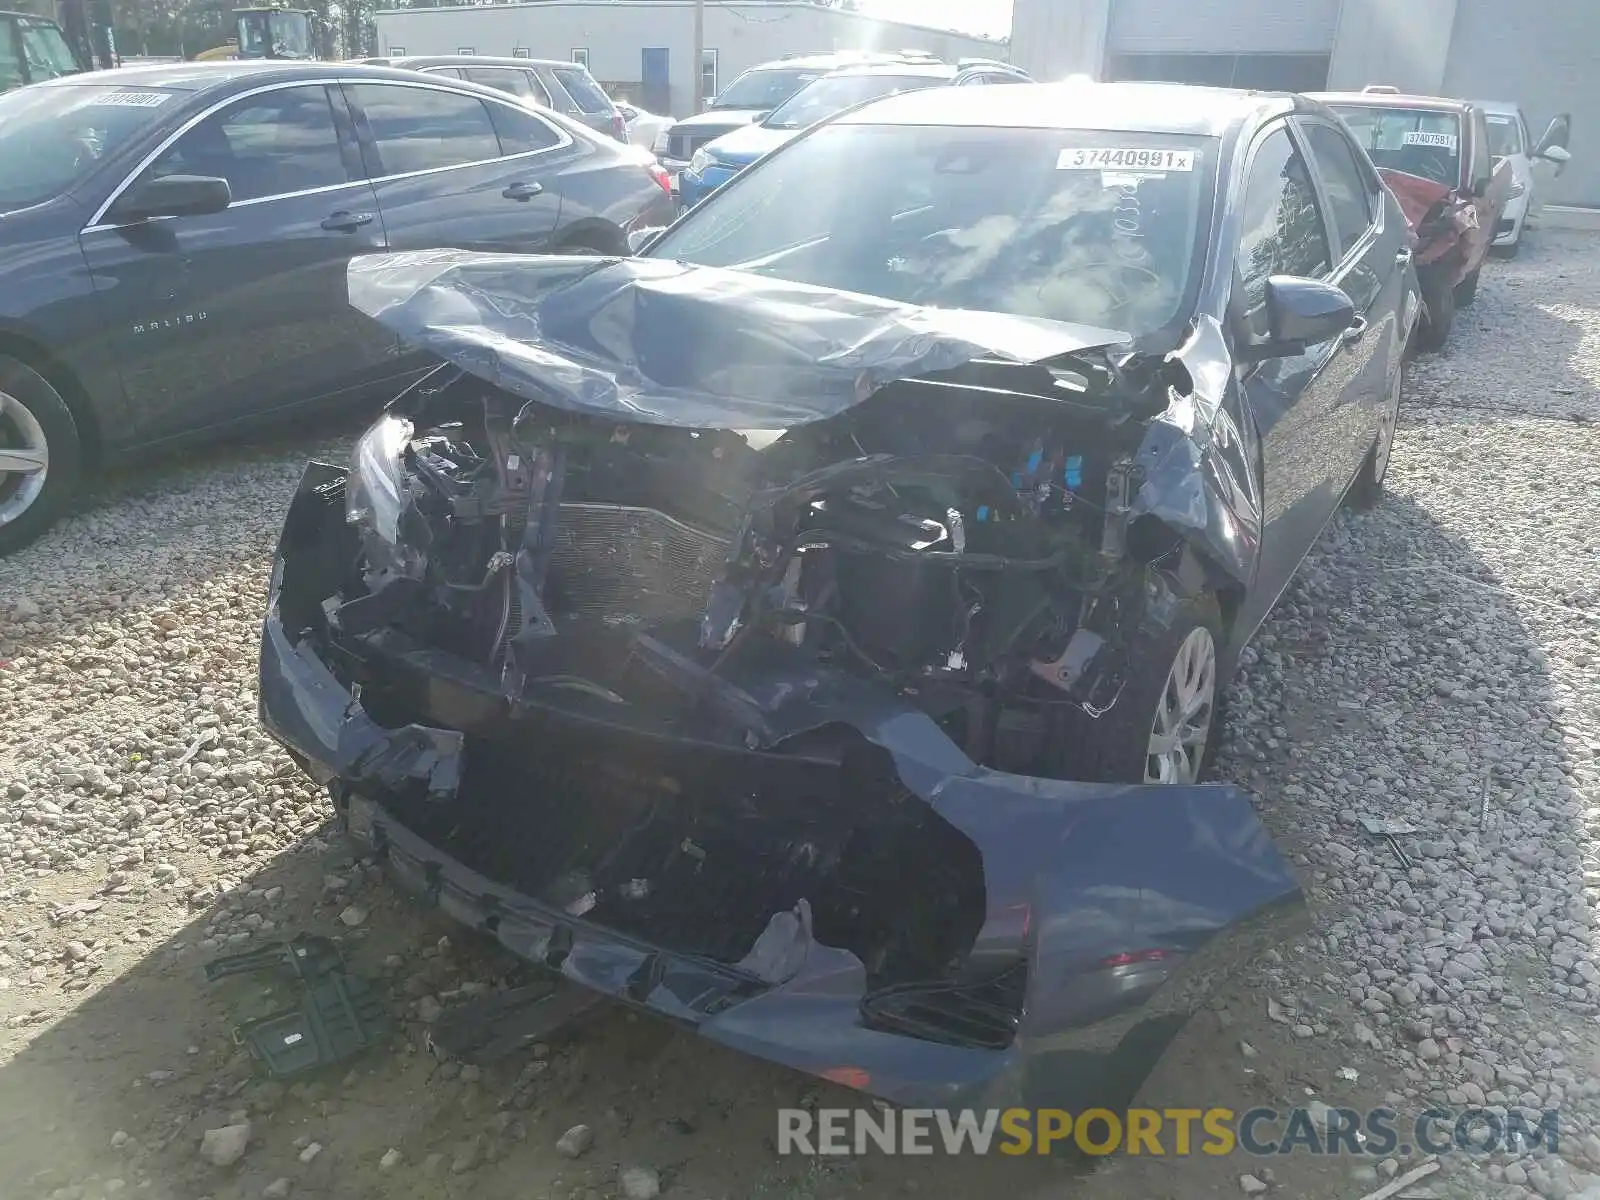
1098 873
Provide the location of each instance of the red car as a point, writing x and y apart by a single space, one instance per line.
1434 154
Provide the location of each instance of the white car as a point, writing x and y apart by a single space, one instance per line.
643 127
1533 166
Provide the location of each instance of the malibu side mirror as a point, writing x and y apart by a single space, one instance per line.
1301 313
171 196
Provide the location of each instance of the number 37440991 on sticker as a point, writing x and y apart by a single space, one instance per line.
1126 158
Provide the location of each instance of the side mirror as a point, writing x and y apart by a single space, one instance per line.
1559 155
1555 135
172 196
1301 313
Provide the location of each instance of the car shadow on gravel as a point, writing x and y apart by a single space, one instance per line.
120 1081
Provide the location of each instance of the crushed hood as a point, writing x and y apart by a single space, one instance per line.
658 342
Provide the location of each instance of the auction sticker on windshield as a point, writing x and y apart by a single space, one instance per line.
1073 159
131 100
1445 141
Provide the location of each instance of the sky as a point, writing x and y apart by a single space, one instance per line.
974 16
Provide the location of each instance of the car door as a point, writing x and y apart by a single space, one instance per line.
452 169
230 315
1296 402
1372 253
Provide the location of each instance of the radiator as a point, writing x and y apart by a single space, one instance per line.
619 562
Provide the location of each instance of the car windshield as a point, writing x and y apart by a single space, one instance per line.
46 49
764 89
1505 135
834 93
1069 225
1423 142
52 137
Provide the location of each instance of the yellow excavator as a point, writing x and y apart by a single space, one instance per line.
266 32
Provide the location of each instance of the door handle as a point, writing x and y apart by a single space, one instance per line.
1402 257
345 222
522 191
1355 331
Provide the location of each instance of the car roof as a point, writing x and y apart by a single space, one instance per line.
1391 100
835 60
1129 107
411 61
933 70
204 76
1500 108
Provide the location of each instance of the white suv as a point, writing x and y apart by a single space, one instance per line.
1533 166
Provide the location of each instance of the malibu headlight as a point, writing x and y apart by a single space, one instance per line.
375 494
700 161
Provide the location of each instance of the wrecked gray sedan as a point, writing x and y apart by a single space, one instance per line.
819 645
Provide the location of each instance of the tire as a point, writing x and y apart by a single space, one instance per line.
1115 747
34 419
1367 489
1467 290
1439 312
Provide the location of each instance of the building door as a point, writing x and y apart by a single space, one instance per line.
655 80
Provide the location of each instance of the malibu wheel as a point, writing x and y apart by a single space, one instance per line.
40 454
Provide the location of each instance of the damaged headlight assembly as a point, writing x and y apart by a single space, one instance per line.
375 493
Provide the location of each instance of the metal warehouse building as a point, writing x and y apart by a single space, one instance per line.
645 48
1543 54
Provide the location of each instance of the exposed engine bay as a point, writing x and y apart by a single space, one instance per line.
978 558
759 630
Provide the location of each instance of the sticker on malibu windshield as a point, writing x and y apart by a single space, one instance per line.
1072 159
1445 141
130 100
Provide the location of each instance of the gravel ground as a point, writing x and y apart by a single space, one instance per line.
1434 664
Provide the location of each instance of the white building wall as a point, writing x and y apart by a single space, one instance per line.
614 32
1380 41
1051 39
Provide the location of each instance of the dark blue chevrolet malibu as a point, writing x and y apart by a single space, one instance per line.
173 242
814 629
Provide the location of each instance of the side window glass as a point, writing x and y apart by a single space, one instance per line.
421 129
536 88
521 132
500 78
267 145
1349 200
1283 232
10 60
448 72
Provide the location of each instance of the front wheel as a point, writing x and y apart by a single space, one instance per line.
1439 311
1467 290
1166 725
40 454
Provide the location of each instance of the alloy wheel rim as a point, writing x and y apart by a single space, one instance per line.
1181 729
24 458
1387 421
